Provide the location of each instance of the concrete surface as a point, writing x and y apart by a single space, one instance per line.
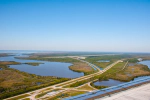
138 93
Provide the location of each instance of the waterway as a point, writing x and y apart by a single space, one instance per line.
112 82
58 69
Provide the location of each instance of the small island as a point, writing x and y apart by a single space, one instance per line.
33 63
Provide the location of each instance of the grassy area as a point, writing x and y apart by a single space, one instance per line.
54 54
44 93
85 87
46 89
130 72
132 60
82 67
26 99
111 58
67 60
67 94
8 63
14 82
78 83
19 97
98 87
33 63
41 94
113 71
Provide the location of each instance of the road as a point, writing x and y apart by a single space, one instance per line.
61 85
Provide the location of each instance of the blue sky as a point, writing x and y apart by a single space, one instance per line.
75 25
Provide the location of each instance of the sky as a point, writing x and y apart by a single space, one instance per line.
75 25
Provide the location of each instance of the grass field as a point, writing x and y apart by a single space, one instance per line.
8 63
19 97
82 67
85 87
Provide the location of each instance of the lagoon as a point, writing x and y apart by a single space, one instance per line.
57 69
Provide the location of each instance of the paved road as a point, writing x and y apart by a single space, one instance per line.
60 85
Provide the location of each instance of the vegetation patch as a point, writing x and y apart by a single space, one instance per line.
9 63
34 63
26 99
98 87
132 60
19 97
117 73
67 60
85 87
78 83
81 67
111 58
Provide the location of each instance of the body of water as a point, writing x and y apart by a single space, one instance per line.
109 82
103 61
58 69
112 82
145 62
